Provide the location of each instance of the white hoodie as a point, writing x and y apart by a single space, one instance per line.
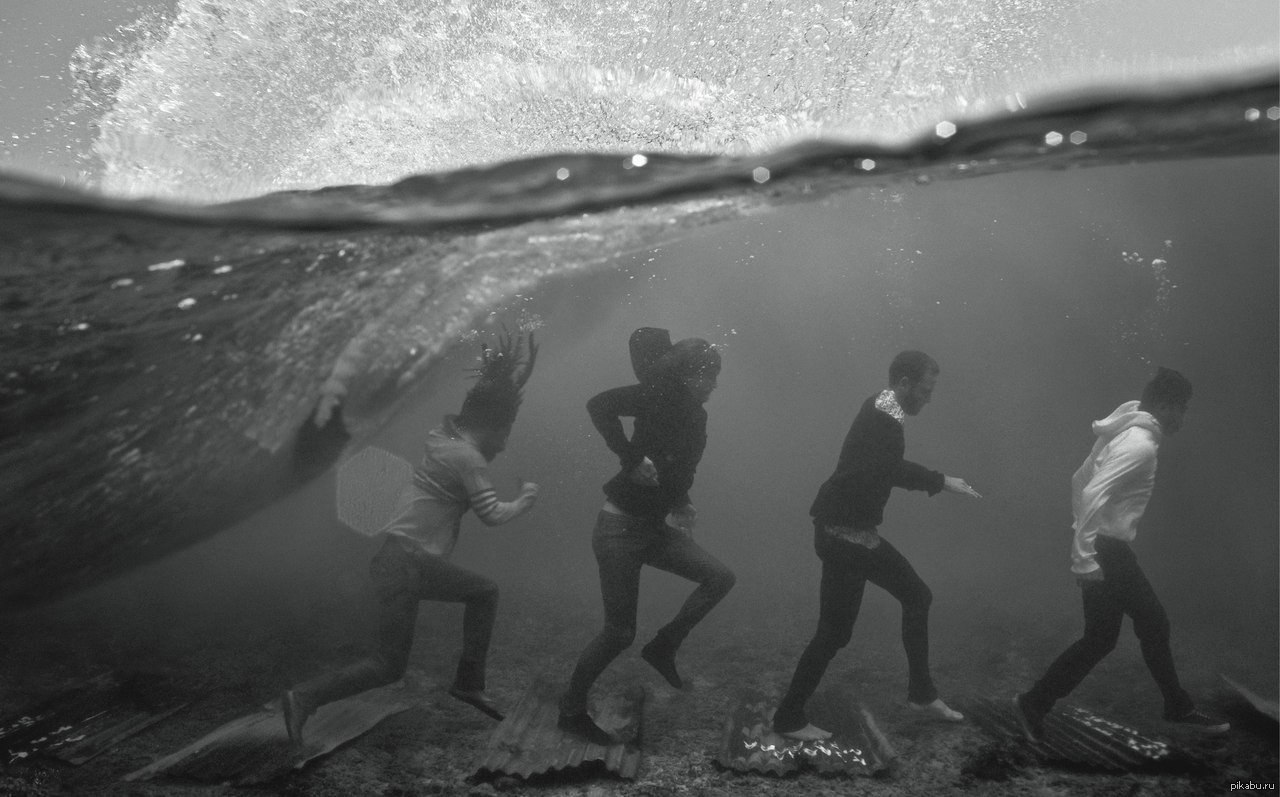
1110 491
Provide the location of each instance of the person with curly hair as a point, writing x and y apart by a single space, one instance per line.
413 564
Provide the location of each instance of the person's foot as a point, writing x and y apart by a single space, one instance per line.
1201 721
582 726
478 699
809 733
1030 721
296 712
939 710
664 661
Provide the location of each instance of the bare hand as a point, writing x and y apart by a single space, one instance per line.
955 484
645 473
529 493
683 518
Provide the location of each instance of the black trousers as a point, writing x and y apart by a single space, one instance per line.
846 569
1123 590
402 576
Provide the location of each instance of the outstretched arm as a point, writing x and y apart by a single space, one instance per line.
955 484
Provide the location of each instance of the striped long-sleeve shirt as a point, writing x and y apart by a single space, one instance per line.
452 478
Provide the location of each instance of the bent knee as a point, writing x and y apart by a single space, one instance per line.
919 601
1155 630
484 592
389 669
831 638
618 637
722 580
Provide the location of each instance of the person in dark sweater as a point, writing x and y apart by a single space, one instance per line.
413 564
648 518
846 517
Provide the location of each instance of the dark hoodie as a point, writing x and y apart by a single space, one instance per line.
670 429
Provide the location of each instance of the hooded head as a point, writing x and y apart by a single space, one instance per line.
490 408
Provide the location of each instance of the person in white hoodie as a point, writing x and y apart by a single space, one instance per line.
1109 494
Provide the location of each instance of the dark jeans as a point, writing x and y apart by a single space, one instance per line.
622 545
1123 590
402 576
846 569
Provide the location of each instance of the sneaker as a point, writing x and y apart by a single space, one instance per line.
585 728
664 662
1029 720
1202 722
478 699
809 733
939 710
296 713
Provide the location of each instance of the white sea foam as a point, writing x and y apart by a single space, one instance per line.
238 97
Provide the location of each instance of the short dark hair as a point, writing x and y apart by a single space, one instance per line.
1166 387
914 365
494 400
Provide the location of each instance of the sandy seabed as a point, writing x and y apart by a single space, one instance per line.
431 749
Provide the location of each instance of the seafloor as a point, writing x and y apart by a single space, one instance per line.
232 667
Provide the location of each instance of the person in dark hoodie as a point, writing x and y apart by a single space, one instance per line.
846 517
413 563
648 518
1109 494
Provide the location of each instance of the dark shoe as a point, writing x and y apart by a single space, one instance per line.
296 712
664 662
583 727
479 700
1202 722
1029 719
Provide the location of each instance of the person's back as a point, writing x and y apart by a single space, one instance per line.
669 430
1110 491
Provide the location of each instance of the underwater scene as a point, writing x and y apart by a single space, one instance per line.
250 251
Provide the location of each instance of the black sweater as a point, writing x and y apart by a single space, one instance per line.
871 465
671 430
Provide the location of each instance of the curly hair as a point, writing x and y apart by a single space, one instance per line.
492 403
